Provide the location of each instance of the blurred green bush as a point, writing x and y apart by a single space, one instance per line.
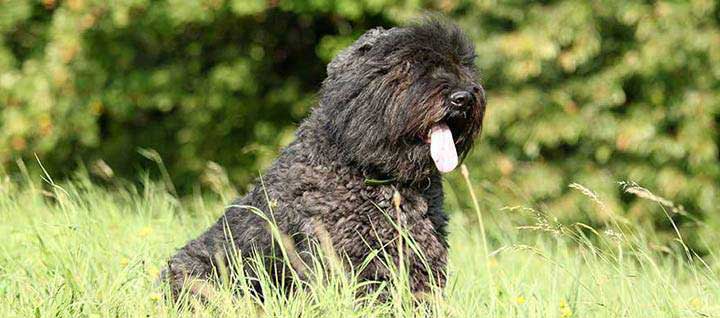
579 91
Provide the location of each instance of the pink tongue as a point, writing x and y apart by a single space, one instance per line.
442 148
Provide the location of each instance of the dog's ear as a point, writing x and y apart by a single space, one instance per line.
356 50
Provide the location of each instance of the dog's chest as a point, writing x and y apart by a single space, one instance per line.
360 217
367 220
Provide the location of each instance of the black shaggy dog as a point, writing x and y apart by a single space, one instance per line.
400 105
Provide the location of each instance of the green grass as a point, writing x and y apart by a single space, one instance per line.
76 250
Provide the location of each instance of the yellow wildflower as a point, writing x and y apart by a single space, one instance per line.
695 303
492 262
565 311
144 232
520 300
155 297
153 271
124 262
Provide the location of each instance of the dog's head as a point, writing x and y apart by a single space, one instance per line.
405 102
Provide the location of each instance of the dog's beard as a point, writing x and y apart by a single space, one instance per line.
445 134
421 114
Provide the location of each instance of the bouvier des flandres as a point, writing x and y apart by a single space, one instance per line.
398 108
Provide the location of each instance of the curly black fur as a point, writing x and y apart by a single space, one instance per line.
381 97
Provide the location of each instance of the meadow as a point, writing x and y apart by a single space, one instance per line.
76 249
595 183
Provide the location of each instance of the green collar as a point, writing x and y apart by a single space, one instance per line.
377 182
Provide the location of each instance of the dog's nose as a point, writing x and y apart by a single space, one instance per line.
460 98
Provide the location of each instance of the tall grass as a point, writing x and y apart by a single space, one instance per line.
75 249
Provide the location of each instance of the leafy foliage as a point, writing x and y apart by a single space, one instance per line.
587 92
594 93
